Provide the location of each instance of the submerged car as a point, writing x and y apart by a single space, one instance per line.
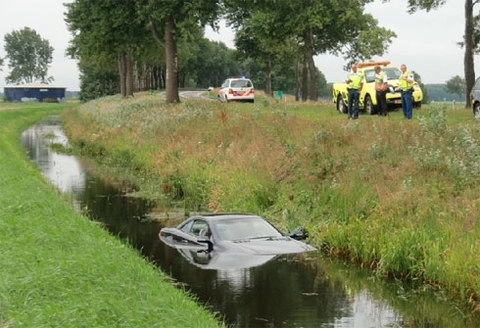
226 241
240 89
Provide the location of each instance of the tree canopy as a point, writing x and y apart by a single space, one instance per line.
471 37
271 42
28 57
455 85
267 31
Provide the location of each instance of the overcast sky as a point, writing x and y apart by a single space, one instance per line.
426 42
47 19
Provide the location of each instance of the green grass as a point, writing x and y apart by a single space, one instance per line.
60 269
397 196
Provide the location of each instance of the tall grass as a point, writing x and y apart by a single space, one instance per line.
398 196
61 270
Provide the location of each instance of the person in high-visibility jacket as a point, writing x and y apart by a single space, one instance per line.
381 86
354 86
406 86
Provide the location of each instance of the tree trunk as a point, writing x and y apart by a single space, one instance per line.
129 76
468 62
171 59
309 86
268 77
309 78
305 76
313 78
297 79
125 70
122 71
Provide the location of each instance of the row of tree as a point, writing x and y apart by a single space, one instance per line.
152 43
136 45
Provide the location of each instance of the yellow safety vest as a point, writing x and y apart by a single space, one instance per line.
404 84
379 84
355 80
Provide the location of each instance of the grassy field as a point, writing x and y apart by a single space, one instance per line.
397 196
61 270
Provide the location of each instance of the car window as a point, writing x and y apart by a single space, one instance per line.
241 84
369 75
239 229
225 84
199 228
392 73
187 227
477 84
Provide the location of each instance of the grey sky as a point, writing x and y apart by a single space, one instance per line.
426 42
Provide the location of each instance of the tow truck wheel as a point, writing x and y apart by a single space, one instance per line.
369 108
341 105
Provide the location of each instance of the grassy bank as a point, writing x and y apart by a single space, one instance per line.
61 270
398 196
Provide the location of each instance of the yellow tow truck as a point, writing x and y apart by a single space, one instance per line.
368 100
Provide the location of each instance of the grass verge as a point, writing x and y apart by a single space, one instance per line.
61 270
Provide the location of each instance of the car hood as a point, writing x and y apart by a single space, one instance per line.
266 246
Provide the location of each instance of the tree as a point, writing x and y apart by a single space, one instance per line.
470 38
213 63
28 57
104 33
455 85
253 40
169 18
339 27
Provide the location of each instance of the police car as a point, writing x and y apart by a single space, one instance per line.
237 88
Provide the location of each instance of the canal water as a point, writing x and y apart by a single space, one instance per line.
303 290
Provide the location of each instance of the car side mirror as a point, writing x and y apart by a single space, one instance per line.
208 242
299 233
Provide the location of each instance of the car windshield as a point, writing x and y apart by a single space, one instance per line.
477 84
240 84
245 228
393 73
225 84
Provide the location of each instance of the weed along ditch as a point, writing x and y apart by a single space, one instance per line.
303 290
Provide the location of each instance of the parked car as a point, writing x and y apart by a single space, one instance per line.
475 98
237 89
221 237
368 100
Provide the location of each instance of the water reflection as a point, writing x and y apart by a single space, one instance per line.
64 171
298 290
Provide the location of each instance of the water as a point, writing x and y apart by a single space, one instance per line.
302 290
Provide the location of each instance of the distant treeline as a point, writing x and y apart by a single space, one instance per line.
437 92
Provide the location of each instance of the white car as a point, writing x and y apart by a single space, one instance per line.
237 89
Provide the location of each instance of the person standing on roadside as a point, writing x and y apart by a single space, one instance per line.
354 86
381 85
406 86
